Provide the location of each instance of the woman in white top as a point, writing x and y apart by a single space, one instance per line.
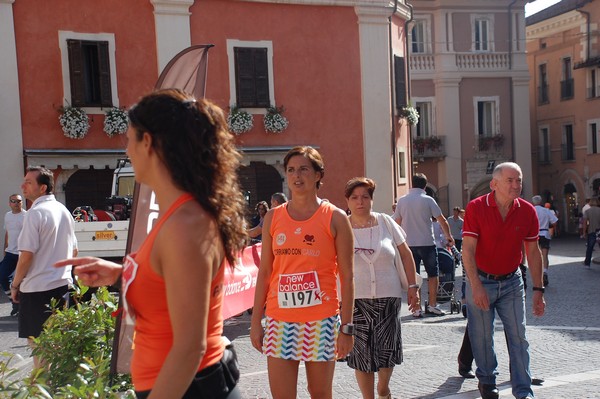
378 340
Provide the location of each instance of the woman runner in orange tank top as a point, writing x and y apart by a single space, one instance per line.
181 148
307 243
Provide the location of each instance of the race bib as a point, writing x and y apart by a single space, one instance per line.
299 290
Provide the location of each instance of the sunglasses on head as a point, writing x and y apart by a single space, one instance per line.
15 201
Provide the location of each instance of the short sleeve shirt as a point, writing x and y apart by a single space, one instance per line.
546 218
499 242
47 233
416 210
13 223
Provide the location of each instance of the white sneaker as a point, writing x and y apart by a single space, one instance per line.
435 310
418 313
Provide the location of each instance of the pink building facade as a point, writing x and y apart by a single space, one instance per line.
564 62
328 63
469 82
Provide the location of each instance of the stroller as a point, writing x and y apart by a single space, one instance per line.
448 261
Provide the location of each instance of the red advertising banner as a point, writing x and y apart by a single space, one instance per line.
240 282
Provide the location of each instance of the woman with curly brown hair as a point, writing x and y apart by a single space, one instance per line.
180 147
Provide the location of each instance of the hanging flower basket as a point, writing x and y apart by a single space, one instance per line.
239 120
274 120
74 122
116 121
410 114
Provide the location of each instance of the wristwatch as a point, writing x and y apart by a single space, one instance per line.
347 329
540 289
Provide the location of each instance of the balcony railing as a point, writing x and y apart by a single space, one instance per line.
422 62
490 144
568 152
482 61
544 155
566 89
429 147
543 94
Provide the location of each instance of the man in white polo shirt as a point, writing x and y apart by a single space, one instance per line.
46 238
13 223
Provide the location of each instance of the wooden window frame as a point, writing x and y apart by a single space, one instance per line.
267 46
109 70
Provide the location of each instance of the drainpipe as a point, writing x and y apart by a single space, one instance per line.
408 85
588 38
393 98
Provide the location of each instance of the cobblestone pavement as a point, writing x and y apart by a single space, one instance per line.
565 343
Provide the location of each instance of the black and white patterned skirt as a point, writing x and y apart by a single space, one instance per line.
378 339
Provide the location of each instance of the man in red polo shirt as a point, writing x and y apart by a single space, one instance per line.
496 227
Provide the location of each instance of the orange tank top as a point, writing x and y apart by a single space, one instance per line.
303 282
146 302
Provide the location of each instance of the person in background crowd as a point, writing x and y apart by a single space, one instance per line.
455 222
47 236
547 220
278 199
414 212
173 285
13 223
591 228
378 341
495 283
257 222
306 240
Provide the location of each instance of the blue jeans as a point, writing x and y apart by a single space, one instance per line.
506 297
7 268
591 241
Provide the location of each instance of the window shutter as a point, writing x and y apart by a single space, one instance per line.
400 82
76 73
104 75
261 66
252 77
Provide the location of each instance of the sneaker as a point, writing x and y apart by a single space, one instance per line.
14 312
435 310
545 279
418 313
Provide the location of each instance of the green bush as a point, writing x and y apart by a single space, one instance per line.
75 350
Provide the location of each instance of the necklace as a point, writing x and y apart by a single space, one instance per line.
360 248
357 225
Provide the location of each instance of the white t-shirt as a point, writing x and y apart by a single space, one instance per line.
375 275
546 218
47 233
416 210
13 223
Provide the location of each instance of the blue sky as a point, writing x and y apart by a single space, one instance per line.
538 5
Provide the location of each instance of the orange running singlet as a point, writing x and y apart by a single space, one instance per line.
146 301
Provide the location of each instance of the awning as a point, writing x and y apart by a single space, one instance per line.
74 159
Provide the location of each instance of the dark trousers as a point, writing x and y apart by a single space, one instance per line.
591 242
7 268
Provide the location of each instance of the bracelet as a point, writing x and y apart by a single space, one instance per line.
413 286
540 289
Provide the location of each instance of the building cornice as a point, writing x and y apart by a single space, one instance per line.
172 7
551 26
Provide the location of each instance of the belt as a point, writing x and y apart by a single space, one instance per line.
543 229
497 277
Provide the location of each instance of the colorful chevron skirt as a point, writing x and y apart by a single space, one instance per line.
313 341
